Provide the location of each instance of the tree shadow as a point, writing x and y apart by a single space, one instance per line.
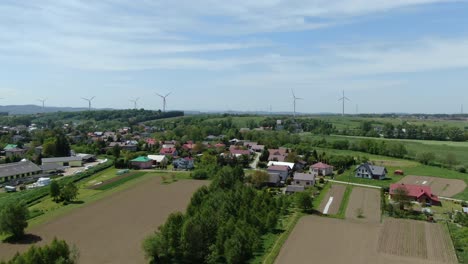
27 239
73 202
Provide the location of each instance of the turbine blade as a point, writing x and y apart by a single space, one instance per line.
92 98
85 98
168 94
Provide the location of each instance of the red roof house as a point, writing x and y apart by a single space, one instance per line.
321 169
420 193
168 152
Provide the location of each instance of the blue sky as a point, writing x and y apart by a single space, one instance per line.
388 55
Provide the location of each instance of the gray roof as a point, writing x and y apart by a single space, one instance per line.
16 168
295 188
304 176
51 167
61 159
374 170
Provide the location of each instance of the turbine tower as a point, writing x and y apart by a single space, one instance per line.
89 101
344 98
134 101
43 102
294 101
164 100
461 108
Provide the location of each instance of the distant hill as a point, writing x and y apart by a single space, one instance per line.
35 109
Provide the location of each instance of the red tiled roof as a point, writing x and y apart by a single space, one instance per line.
167 151
321 165
415 191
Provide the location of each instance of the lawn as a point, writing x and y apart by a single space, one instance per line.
441 149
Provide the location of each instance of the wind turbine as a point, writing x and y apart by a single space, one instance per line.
164 100
43 102
134 101
344 98
89 101
294 101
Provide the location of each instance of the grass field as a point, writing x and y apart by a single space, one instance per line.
441 149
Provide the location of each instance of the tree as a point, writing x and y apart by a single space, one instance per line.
69 192
304 201
400 196
425 157
265 154
258 178
54 190
57 252
116 151
13 219
451 159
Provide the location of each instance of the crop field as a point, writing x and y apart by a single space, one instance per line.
111 230
328 240
367 201
332 201
416 239
439 186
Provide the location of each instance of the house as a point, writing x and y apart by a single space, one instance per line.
274 179
369 171
86 157
420 193
158 159
321 169
17 170
278 154
304 179
188 146
142 162
183 163
52 168
15 152
234 151
128 146
290 189
282 171
169 152
72 161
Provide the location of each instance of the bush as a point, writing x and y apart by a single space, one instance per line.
461 169
199 174
57 252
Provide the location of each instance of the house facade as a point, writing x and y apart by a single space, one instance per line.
369 171
282 171
304 179
321 169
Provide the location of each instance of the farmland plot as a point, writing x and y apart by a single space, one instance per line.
367 201
332 201
111 230
416 239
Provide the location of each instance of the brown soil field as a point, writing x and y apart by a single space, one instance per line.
416 239
368 200
440 186
336 191
111 230
329 241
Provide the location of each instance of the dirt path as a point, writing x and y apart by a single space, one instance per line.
368 200
333 206
111 230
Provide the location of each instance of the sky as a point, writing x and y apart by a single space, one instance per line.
387 55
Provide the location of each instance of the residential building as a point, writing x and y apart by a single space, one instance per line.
169 152
142 162
369 171
278 154
183 163
282 171
321 169
420 193
158 159
304 179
